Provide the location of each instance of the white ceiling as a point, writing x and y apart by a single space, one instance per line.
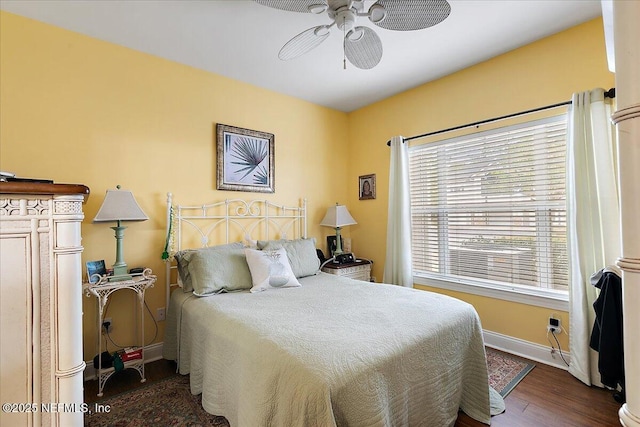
241 39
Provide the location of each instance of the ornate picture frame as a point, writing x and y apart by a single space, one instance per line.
367 187
245 159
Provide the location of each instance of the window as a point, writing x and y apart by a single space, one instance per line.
488 209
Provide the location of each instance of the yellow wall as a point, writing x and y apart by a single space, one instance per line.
78 110
542 73
75 109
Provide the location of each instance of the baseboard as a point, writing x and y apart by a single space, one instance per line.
152 353
526 349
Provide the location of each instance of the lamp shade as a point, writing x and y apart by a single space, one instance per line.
337 216
120 205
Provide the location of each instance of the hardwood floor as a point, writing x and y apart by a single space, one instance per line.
551 397
129 379
547 396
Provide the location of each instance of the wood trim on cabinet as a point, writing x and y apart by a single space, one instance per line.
43 188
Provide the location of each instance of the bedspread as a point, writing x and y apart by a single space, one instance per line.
332 352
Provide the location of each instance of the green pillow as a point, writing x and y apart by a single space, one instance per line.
182 261
301 253
213 270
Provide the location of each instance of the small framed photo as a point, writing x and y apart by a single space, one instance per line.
94 268
367 186
245 159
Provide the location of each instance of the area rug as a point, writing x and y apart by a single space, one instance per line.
505 372
169 402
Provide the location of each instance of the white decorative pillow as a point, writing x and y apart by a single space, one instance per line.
302 254
250 243
270 269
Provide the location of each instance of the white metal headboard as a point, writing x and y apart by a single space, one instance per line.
229 221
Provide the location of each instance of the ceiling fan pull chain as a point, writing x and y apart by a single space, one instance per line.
344 46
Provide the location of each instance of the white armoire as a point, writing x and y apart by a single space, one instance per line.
41 361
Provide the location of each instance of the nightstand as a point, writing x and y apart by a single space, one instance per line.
107 285
358 270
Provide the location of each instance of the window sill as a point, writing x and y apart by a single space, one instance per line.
535 297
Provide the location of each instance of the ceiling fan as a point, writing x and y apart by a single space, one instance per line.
361 45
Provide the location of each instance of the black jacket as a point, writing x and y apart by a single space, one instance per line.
607 334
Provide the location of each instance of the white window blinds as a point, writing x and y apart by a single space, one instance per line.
491 206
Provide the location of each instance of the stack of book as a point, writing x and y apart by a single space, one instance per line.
130 353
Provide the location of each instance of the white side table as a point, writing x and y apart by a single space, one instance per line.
358 270
107 285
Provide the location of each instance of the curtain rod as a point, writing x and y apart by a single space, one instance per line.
611 93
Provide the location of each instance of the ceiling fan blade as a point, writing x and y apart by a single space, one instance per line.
304 6
363 47
304 42
407 15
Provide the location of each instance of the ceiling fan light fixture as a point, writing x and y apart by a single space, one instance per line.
345 19
318 8
377 13
322 31
355 34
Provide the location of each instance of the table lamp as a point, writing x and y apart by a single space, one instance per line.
120 205
337 217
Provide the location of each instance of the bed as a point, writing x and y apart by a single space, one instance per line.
318 350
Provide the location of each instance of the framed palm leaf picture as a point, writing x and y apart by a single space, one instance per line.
245 159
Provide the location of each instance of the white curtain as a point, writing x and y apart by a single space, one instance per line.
397 267
593 219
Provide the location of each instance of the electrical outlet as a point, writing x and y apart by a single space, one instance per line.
160 314
108 329
553 330
554 326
